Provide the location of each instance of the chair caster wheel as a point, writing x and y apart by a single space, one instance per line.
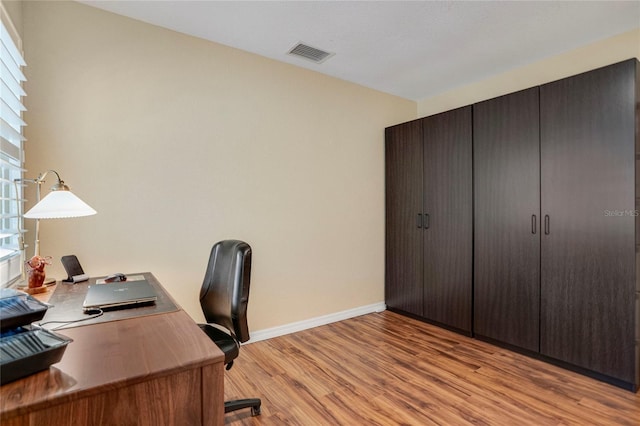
255 411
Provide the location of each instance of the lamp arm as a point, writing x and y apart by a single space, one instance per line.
40 179
42 175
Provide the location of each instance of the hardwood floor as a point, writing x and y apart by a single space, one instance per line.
385 369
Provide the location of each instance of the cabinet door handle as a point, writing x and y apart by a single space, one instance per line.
426 221
419 220
547 227
534 222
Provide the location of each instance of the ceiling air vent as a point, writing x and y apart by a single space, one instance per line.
310 53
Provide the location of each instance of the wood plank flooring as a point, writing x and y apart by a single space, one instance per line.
386 369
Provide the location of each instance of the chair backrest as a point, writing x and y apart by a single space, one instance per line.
225 291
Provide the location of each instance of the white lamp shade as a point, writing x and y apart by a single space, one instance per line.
59 204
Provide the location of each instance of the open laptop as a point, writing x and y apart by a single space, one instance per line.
119 295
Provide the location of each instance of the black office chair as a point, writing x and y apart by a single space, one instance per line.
223 298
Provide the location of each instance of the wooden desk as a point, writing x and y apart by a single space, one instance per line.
153 370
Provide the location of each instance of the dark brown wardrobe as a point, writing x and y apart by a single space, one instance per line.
507 219
555 222
588 157
429 218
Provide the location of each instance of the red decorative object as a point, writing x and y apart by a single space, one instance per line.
35 269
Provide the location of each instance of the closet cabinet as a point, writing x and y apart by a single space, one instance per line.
555 221
588 151
429 232
403 260
556 224
506 213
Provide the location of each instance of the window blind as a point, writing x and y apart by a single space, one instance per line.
11 150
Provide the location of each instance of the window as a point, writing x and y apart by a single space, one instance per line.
11 150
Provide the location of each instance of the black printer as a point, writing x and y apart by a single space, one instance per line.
24 348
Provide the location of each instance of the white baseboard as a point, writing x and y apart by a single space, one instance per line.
270 333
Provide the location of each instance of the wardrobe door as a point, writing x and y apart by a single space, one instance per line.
403 259
448 230
588 202
506 163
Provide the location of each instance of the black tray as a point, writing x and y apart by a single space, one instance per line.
17 308
24 352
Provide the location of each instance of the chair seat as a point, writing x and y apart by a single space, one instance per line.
224 341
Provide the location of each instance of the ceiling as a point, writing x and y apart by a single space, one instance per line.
412 49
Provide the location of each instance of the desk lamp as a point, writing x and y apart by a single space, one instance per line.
59 203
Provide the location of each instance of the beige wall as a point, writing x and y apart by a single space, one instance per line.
178 142
605 52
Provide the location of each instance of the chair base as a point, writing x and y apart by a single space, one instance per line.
239 404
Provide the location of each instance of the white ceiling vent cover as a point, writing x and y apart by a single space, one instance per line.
310 53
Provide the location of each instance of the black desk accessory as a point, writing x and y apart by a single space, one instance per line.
75 274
